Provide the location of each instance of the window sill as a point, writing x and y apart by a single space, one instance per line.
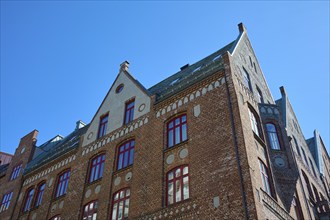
178 203
94 181
123 170
176 146
58 198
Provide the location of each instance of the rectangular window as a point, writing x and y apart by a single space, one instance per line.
264 177
305 158
254 123
310 162
176 130
40 193
90 211
15 172
273 136
97 167
62 184
103 126
246 79
129 112
28 200
120 204
177 185
125 154
6 201
259 95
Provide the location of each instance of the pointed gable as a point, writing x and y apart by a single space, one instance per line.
124 90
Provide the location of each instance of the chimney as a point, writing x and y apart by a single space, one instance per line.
124 66
184 67
80 124
241 28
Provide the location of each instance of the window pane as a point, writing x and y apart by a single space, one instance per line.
126 208
184 132
177 172
177 135
177 121
170 125
170 138
128 192
125 159
114 211
184 118
120 161
120 210
131 157
101 170
170 193
185 188
185 170
178 191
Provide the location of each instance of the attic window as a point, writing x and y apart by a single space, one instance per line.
217 57
198 68
175 81
119 88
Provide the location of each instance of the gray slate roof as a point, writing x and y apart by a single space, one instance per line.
56 149
190 75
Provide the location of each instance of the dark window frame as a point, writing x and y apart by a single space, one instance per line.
270 140
117 200
247 80
16 171
58 191
129 111
5 202
97 166
102 130
125 148
28 199
174 181
171 129
39 193
89 212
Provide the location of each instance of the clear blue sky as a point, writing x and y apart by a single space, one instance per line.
58 59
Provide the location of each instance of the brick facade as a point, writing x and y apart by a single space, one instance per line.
222 151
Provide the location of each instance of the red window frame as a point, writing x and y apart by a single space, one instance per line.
129 112
273 137
176 180
39 194
56 217
62 183
125 155
90 210
15 172
96 168
103 126
177 130
28 199
120 204
5 202
265 178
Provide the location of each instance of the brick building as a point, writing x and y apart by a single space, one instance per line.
209 142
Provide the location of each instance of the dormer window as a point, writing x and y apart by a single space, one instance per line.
102 126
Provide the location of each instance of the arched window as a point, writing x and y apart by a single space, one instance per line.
90 211
125 154
28 200
56 217
176 130
120 204
96 168
177 184
273 136
40 193
62 184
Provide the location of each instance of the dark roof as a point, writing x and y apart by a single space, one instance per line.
57 149
3 169
190 74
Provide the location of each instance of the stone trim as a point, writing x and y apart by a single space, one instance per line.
191 96
49 170
115 135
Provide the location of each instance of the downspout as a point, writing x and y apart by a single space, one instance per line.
238 160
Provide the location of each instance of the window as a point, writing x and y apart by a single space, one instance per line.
90 211
297 147
254 122
125 154
57 217
62 184
297 207
305 158
273 136
129 112
96 168
40 193
103 126
177 185
259 95
176 130
246 79
307 185
28 200
15 172
255 68
310 162
264 177
119 88
6 201
120 204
